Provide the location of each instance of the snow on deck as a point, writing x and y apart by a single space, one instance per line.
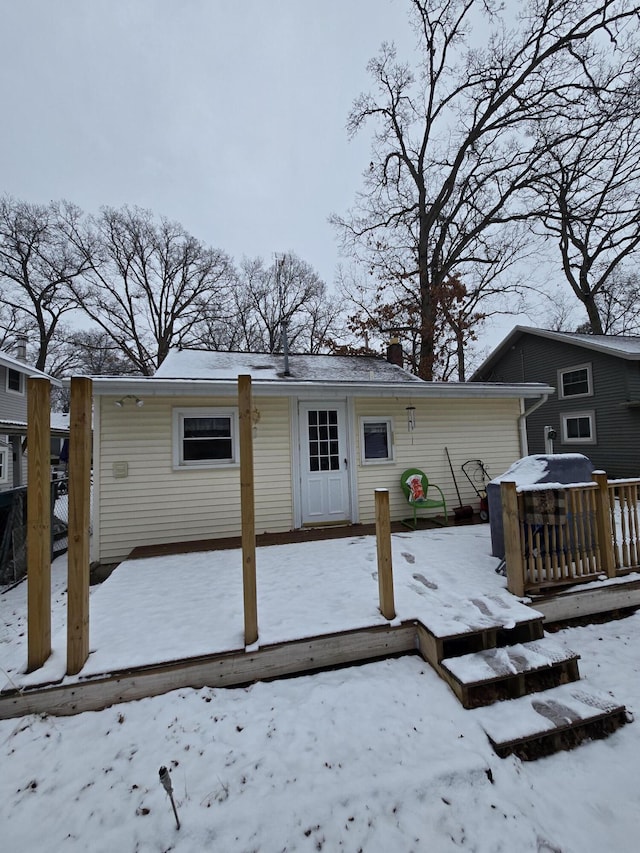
172 607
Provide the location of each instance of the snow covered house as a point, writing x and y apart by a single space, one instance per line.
328 430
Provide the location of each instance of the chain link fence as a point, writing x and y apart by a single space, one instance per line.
13 528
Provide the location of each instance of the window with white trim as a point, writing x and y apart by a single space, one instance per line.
15 381
205 437
578 427
376 440
575 381
4 464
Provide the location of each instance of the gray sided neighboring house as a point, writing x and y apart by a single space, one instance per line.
596 407
14 373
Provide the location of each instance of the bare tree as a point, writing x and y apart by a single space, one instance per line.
91 352
618 305
149 284
288 293
452 153
590 194
37 265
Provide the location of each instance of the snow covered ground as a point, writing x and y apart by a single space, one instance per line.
374 758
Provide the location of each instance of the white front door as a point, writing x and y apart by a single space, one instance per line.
324 474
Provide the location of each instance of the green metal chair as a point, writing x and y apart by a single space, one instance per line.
419 491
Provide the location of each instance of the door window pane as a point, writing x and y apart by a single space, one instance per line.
323 440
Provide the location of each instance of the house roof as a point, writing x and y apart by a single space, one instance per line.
59 426
205 364
203 372
14 363
622 346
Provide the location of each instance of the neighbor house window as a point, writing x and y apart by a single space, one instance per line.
14 381
4 464
579 428
376 439
576 381
205 438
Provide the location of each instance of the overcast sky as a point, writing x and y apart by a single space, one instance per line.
225 115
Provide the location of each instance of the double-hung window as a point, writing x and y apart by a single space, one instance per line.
376 440
15 381
205 438
575 381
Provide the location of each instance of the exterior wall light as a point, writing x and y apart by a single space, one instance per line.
138 402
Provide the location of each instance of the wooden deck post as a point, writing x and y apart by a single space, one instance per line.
512 539
383 544
79 523
247 509
38 522
603 524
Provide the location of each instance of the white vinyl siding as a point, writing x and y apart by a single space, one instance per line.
156 504
471 429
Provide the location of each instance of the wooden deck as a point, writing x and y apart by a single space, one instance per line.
576 603
496 658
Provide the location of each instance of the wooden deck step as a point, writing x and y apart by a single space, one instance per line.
491 675
542 723
484 622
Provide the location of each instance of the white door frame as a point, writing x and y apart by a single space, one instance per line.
296 451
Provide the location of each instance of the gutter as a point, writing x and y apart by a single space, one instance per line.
150 387
522 423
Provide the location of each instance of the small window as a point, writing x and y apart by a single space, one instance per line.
576 381
4 464
376 440
205 438
14 381
579 428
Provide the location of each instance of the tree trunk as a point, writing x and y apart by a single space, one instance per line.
595 321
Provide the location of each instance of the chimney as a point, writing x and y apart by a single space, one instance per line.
21 348
394 352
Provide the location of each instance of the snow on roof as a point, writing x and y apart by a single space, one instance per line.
16 364
622 346
59 425
206 364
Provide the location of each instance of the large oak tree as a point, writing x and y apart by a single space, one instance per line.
453 153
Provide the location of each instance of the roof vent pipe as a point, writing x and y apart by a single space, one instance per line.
285 348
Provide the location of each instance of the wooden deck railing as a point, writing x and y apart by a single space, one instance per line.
560 535
625 525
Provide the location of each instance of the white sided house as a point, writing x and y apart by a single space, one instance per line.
327 431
